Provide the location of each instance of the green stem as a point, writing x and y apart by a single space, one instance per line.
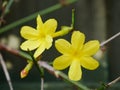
80 86
46 66
40 69
31 17
8 6
59 74
73 18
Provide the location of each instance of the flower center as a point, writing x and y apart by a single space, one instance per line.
42 36
77 54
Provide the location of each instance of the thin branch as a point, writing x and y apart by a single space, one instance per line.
6 72
25 55
59 74
36 65
15 52
73 18
32 16
8 6
50 69
39 68
6 10
42 83
106 86
113 82
110 39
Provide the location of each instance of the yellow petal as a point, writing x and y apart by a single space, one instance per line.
28 32
75 72
77 40
39 23
48 42
63 46
39 51
89 63
30 45
91 47
50 26
61 62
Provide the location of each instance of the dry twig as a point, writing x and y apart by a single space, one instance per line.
6 72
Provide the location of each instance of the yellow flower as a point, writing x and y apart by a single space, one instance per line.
75 55
39 38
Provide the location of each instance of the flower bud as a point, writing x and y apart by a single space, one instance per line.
26 70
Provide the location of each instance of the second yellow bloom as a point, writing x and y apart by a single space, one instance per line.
76 54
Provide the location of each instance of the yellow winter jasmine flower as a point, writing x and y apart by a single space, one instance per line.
76 55
39 38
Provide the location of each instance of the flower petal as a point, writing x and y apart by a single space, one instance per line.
39 51
28 32
91 47
63 46
75 72
39 23
77 40
89 63
61 62
30 45
48 42
50 26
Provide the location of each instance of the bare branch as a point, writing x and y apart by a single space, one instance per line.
42 83
59 74
110 39
6 72
113 82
